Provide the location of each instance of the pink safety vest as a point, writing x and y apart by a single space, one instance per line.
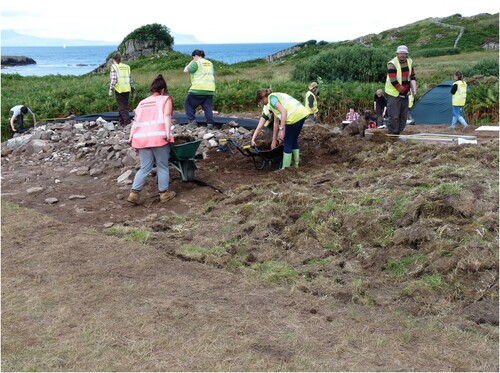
149 128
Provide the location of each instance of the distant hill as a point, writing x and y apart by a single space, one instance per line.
466 33
186 39
10 38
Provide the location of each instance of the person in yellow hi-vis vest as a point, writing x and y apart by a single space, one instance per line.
289 118
202 87
311 100
122 84
400 83
459 95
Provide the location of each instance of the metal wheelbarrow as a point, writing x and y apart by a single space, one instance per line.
260 158
182 159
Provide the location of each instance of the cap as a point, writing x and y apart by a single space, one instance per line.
402 49
313 85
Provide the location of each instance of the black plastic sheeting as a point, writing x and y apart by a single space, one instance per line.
109 116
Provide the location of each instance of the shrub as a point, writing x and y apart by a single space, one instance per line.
346 63
486 67
435 52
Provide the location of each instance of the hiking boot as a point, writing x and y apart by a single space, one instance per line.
166 196
465 127
133 197
210 126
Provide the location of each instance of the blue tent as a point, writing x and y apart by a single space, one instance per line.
434 107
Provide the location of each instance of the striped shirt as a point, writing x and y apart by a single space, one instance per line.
406 76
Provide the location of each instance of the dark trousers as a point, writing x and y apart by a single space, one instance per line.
380 118
122 101
292 133
20 123
397 110
193 101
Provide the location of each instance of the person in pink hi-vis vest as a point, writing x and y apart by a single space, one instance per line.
151 135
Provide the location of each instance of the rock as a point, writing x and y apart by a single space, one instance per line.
95 171
124 178
51 200
34 190
18 142
76 196
17 61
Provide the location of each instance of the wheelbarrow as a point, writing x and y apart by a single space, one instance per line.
260 158
182 159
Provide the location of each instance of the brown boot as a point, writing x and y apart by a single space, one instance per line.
166 196
133 197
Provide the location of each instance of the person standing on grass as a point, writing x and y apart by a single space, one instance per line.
400 83
380 106
150 134
202 87
289 118
311 100
18 112
122 84
459 95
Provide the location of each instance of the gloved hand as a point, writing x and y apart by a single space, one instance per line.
111 92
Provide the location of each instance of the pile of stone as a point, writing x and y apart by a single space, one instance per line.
96 147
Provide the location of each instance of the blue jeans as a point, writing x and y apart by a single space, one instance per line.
149 157
193 101
457 117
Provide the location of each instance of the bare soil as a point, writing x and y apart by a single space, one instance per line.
78 296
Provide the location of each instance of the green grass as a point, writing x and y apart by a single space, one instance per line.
275 272
141 234
399 267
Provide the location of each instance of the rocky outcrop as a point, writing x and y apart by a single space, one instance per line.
135 49
9 61
283 53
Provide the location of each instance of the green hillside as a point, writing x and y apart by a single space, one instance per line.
430 43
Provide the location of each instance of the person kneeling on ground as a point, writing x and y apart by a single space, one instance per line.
18 112
150 134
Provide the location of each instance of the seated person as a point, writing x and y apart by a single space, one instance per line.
351 116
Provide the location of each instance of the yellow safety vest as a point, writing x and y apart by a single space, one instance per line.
295 111
122 77
458 98
203 79
389 88
314 109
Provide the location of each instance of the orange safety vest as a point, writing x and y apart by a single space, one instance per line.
149 127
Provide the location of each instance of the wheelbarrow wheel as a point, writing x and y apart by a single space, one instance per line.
259 165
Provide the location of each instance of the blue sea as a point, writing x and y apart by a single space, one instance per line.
82 60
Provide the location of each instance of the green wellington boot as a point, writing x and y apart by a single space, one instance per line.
296 157
287 160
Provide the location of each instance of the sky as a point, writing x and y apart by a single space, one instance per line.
224 21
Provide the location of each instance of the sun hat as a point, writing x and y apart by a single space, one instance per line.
402 49
313 85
